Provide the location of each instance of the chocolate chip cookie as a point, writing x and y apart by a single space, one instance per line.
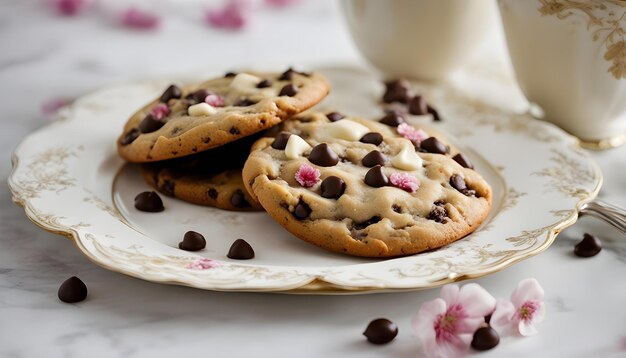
365 188
195 118
211 178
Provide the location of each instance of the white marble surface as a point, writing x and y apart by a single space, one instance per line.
46 57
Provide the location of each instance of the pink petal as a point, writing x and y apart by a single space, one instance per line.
458 346
307 176
527 290
203 264
138 19
423 322
160 111
52 107
411 133
469 324
476 301
526 329
214 100
404 181
281 3
450 294
68 7
232 16
502 319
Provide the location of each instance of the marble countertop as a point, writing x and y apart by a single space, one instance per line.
46 57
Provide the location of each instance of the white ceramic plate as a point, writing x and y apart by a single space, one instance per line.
70 181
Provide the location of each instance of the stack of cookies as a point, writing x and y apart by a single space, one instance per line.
360 187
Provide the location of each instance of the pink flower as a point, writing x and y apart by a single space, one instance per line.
68 7
203 264
404 181
521 313
445 325
411 133
138 19
160 111
214 100
232 16
307 176
51 108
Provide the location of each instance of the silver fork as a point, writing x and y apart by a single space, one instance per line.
611 214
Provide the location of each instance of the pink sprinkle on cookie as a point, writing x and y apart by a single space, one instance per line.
203 264
411 133
138 19
404 181
307 176
214 100
160 111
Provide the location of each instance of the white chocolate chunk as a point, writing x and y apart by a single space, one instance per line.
201 109
407 159
344 129
245 82
295 147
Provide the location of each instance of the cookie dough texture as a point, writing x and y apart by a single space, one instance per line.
247 110
366 221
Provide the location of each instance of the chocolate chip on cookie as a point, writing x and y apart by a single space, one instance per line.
244 102
323 156
438 214
392 118
280 142
287 75
463 161
302 211
238 199
372 138
289 90
333 187
264 84
172 92
433 145
376 178
240 250
192 241
397 91
149 124
334 116
457 182
418 106
230 74
373 158
434 113
130 136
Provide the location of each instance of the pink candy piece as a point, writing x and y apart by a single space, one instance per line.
411 133
307 176
69 7
404 181
138 19
214 100
160 111
232 16
203 264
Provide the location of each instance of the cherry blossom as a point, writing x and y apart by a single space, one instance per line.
68 7
520 314
138 19
232 16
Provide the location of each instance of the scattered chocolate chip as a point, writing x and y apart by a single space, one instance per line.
171 92
244 102
418 106
167 187
72 290
130 136
433 145
381 331
192 241
392 118
376 178
198 96
287 75
372 138
397 91
149 201
438 214
230 74
240 250
280 141
302 211
434 113
362 225
323 155
288 90
457 182
485 338
463 161
373 158
238 200
488 318
334 116
333 187
588 247
149 124
264 84
212 193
